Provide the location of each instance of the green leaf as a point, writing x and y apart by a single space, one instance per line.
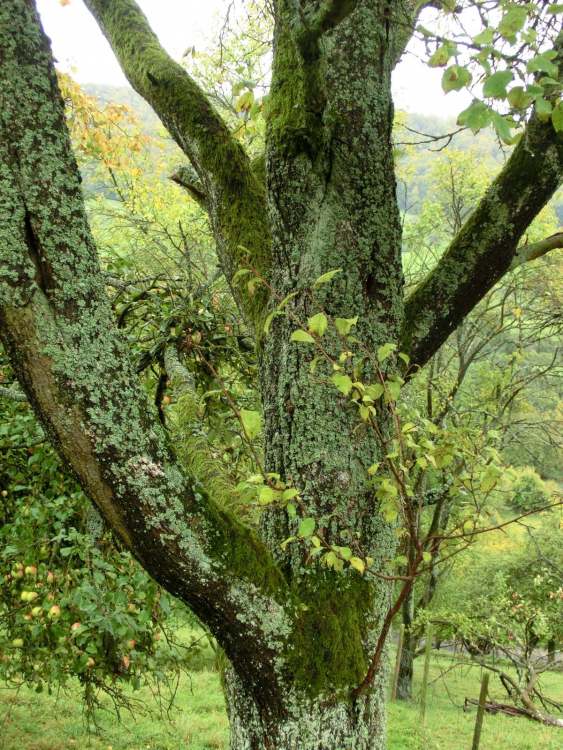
542 63
266 495
318 323
252 284
426 556
393 390
326 277
405 357
557 117
502 127
241 273
476 116
306 527
373 469
495 85
548 81
512 22
489 478
290 493
287 541
455 78
518 98
358 564
286 299
440 58
345 552
269 319
332 561
485 37
374 391
302 337
365 412
342 382
385 351
244 102
252 422
386 490
543 109
345 325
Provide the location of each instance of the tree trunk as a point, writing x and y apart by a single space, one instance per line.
332 206
304 723
299 633
410 641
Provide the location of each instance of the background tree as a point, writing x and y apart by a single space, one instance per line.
480 380
300 636
507 627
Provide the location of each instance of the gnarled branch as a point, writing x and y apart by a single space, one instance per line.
236 199
485 247
57 326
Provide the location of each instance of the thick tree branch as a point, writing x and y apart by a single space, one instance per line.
484 249
58 330
236 199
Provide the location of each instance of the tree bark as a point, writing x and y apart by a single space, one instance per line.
299 635
410 642
306 724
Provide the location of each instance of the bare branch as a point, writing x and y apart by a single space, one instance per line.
535 250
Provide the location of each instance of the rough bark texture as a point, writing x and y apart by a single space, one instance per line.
299 637
57 327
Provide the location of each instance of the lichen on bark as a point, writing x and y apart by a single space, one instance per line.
299 637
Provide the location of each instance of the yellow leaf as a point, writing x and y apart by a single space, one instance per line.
358 564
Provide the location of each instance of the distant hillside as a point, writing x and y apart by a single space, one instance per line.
125 95
484 142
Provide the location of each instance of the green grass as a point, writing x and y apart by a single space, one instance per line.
29 721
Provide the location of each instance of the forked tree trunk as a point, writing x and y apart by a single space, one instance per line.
299 635
332 205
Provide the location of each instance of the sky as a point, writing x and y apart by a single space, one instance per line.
81 49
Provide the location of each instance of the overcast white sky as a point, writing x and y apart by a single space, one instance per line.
80 48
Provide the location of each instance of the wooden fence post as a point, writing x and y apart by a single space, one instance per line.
398 662
480 711
424 688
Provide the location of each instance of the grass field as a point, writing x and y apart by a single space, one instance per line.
39 722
